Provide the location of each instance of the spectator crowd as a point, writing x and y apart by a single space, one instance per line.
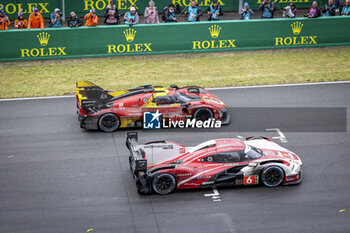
168 15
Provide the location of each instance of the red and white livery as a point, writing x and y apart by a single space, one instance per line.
164 166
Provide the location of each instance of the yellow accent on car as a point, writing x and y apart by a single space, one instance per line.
125 122
117 93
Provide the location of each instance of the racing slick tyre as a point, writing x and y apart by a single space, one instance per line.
163 184
203 114
272 176
108 122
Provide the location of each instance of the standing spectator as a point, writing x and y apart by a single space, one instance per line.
246 13
214 11
4 20
336 3
314 11
111 14
91 19
151 13
329 9
169 14
21 22
346 8
74 21
290 11
56 19
131 17
267 8
194 12
36 20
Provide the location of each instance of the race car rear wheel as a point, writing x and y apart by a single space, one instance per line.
203 114
108 122
272 176
163 183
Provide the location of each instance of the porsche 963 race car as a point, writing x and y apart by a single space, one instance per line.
164 166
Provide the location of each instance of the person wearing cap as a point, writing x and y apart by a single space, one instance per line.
151 13
194 12
56 19
21 22
246 13
169 14
91 19
290 11
267 7
4 20
74 21
329 9
111 14
131 17
214 11
36 20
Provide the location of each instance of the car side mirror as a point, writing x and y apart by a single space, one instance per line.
252 164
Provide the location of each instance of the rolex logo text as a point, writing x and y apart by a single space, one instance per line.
296 39
214 31
130 47
43 38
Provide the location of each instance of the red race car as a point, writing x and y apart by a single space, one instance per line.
164 166
108 110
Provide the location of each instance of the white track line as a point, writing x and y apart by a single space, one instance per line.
212 88
279 85
39 98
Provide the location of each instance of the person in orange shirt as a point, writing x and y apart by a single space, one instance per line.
36 20
91 18
4 20
21 22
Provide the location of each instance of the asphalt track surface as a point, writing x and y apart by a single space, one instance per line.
56 177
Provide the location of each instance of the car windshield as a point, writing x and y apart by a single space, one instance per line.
252 153
203 145
181 98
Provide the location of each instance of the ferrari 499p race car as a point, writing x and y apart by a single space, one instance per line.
164 166
108 110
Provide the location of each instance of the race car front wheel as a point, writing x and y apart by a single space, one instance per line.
272 176
108 122
203 114
163 184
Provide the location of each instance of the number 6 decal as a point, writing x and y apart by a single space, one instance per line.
247 180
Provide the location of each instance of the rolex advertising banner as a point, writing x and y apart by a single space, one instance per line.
236 35
13 7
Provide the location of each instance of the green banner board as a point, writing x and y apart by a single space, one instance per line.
16 45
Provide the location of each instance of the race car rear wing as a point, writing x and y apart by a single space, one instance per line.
138 161
152 153
91 97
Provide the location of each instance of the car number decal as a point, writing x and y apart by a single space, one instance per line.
247 180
